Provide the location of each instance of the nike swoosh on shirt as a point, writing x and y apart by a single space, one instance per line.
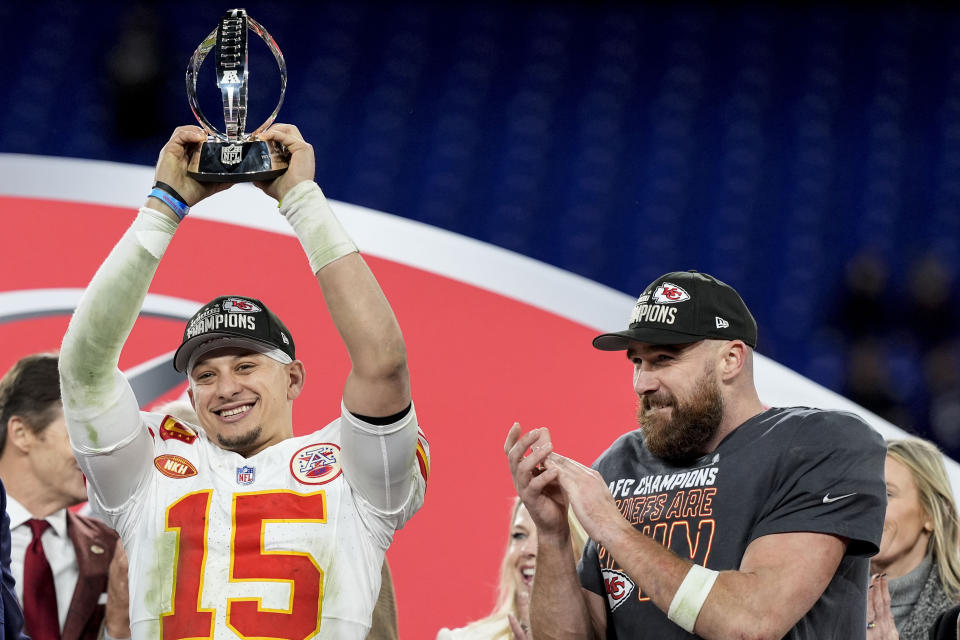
827 499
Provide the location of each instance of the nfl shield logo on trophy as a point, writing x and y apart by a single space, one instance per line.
245 475
230 154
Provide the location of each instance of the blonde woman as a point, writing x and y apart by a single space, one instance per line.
916 574
510 618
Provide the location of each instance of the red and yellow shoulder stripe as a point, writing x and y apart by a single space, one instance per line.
423 455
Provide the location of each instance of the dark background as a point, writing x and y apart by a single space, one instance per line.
808 155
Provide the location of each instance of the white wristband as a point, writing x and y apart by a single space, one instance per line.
322 236
691 595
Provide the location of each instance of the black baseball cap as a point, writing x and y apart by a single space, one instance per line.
234 321
683 307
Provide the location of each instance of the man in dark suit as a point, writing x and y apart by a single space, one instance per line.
61 560
11 617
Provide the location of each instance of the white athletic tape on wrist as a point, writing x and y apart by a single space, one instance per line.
322 236
691 595
153 231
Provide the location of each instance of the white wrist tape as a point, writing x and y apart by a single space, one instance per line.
691 595
322 236
153 231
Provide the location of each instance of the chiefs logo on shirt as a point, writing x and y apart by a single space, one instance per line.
618 586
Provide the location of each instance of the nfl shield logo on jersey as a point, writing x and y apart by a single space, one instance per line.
230 154
245 475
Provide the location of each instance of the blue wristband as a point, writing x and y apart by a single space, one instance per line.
178 207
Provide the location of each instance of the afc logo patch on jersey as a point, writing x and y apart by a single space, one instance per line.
174 466
316 463
618 586
171 429
246 475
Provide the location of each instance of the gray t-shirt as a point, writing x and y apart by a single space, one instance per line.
784 470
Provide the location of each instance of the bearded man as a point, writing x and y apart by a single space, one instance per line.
718 517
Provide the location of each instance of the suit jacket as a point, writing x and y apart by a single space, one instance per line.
94 543
11 616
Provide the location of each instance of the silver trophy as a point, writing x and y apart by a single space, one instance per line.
233 155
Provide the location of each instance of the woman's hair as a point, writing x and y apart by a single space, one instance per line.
507 588
925 463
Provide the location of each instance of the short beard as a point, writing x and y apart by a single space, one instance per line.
242 443
683 437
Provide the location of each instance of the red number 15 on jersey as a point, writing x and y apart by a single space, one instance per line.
249 562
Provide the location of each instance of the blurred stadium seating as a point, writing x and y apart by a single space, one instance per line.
770 147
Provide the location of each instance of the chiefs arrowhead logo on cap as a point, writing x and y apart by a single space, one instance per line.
668 293
240 305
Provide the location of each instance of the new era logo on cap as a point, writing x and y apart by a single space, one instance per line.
683 307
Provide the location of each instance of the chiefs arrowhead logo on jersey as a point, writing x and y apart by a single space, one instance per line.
618 586
316 463
174 466
171 429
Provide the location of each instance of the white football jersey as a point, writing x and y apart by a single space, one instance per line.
278 545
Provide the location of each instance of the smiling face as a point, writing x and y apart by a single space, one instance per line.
680 406
906 526
522 551
244 399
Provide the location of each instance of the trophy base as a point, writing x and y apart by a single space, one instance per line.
250 161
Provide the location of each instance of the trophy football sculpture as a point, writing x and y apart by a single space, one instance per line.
234 155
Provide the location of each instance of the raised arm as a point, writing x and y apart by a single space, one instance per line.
378 384
100 408
379 436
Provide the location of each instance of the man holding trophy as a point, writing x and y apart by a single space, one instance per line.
234 527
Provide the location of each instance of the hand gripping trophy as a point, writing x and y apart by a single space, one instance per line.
234 156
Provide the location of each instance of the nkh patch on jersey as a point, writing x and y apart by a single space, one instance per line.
170 428
316 463
174 466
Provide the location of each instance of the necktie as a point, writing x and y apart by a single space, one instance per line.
39 595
